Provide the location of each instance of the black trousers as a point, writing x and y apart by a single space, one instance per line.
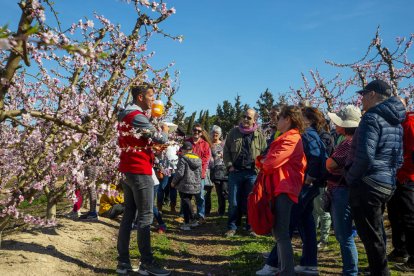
401 216
367 207
187 207
222 193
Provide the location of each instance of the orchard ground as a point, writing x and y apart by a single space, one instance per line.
89 248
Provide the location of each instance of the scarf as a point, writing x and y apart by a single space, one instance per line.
248 130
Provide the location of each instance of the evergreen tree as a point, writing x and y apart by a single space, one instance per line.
264 105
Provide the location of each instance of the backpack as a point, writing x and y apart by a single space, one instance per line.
259 211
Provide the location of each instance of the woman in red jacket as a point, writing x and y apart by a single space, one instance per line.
284 168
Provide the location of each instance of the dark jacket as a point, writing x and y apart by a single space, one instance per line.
233 146
376 151
315 152
187 178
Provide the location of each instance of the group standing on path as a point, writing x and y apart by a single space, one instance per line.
355 171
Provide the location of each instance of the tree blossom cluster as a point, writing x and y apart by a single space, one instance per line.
65 104
379 62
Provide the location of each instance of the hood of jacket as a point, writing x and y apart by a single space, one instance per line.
128 108
193 160
392 110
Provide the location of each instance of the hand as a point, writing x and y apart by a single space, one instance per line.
164 128
172 185
231 168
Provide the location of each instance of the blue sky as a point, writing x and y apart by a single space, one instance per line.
243 47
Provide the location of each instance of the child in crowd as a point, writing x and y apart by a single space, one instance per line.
112 206
187 180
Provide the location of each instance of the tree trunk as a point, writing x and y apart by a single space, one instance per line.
51 207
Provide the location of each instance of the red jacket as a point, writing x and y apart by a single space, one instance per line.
136 154
406 172
284 165
202 149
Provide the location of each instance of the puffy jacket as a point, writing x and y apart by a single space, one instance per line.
233 144
376 150
202 149
406 173
284 165
187 178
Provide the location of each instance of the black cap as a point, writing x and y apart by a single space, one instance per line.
187 146
378 86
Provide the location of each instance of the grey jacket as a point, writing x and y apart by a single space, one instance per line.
187 178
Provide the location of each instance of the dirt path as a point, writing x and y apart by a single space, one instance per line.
89 248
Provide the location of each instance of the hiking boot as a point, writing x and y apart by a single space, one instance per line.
89 216
230 233
124 268
202 221
268 270
153 269
307 270
398 256
185 227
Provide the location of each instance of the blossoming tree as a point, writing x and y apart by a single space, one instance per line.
60 91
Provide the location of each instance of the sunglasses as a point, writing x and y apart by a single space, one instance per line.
247 117
197 130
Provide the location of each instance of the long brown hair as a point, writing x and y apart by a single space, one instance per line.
204 134
315 116
295 115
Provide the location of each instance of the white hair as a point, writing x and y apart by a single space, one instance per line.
217 129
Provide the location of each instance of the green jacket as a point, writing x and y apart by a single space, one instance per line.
232 147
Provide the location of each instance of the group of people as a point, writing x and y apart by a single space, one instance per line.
367 163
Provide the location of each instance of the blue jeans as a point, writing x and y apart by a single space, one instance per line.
165 185
240 185
157 214
342 221
201 204
138 197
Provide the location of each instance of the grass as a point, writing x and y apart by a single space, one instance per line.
205 250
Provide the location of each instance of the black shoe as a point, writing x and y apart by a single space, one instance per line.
124 268
398 256
153 269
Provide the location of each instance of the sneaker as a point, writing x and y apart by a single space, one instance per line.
230 233
194 223
185 227
161 229
398 256
322 245
73 215
153 269
267 270
89 216
253 234
405 267
124 268
266 255
308 270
